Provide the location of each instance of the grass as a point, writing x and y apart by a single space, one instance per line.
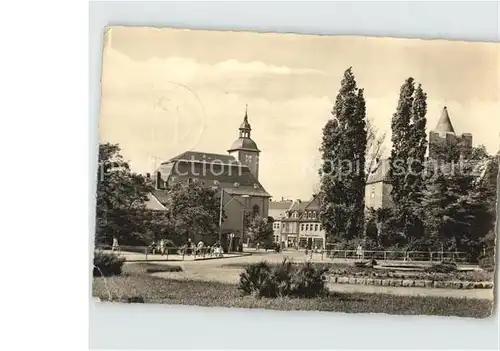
140 287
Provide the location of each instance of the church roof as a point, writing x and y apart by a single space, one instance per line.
244 144
444 124
234 177
198 156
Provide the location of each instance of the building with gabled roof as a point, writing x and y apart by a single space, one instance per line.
297 224
234 174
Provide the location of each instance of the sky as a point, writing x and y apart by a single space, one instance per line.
166 91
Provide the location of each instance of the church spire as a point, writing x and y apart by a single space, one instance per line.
444 124
245 127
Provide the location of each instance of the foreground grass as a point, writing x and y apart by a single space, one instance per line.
150 289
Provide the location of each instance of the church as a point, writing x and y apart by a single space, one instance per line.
235 175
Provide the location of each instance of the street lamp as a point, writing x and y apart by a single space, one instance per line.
243 218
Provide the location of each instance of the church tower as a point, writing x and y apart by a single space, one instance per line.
444 135
244 148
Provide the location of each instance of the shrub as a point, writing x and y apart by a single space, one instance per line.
309 280
163 268
253 277
107 264
135 299
443 267
279 283
285 279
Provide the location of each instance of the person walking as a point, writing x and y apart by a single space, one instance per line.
162 247
115 246
359 252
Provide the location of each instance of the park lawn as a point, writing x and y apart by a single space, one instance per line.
188 292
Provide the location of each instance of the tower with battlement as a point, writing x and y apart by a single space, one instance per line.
444 136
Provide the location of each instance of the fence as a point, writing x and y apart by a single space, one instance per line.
422 256
155 252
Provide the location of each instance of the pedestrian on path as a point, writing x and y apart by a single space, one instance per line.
115 247
359 252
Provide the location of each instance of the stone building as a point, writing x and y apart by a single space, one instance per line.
378 187
444 135
235 175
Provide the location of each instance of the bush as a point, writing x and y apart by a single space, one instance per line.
106 264
135 299
443 267
254 277
163 268
285 279
308 280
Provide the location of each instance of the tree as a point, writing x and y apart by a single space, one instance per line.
260 230
193 211
407 158
401 135
457 212
343 170
120 193
479 153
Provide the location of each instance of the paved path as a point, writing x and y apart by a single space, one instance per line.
217 270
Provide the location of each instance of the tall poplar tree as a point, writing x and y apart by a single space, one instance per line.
407 159
401 134
343 170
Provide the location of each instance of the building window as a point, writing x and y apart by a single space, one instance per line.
314 215
255 210
302 227
307 226
320 227
315 227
